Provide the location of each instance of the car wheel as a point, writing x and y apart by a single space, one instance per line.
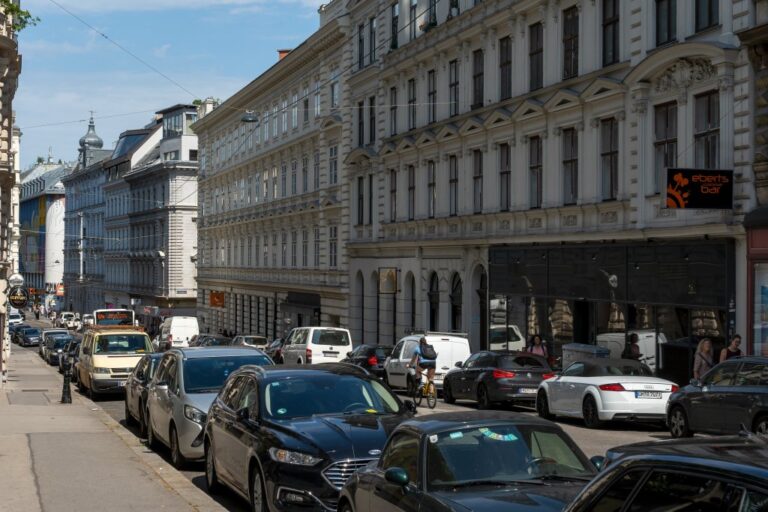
761 425
211 479
678 423
258 503
345 507
447 393
177 458
483 400
542 405
589 413
80 387
91 393
128 418
152 441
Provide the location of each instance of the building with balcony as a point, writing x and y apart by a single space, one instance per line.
273 220
84 226
509 163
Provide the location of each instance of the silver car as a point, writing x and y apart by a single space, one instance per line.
181 392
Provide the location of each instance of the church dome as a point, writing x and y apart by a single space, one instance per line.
90 139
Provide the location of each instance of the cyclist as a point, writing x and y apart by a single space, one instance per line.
424 358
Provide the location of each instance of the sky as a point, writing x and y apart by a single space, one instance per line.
209 47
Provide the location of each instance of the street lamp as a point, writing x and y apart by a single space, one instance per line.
250 117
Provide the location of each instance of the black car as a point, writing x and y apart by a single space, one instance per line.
71 350
136 390
15 331
288 437
471 461
731 396
702 475
29 336
56 343
493 377
275 350
216 341
370 357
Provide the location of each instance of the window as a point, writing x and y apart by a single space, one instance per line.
453 185
722 375
570 166
372 40
707 130
505 68
411 103
285 116
610 32
256 254
266 250
609 157
402 452
304 246
317 246
752 374
411 192
478 78
274 183
535 167
536 56
361 46
283 180
570 42
504 177
334 94
294 184
667 490
295 111
304 173
283 249
477 181
392 195
333 234
393 111
372 119
432 13
266 186
318 110
666 21
316 169
706 14
274 250
193 155
370 199
394 15
294 240
333 175
453 86
431 96
412 19
360 124
431 189
274 122
665 142
614 498
360 199
306 105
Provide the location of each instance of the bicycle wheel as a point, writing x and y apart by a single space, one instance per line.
418 396
432 396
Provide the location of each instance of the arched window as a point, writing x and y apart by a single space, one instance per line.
434 302
456 292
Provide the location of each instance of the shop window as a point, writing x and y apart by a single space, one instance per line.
760 319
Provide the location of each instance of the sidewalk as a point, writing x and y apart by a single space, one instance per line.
74 457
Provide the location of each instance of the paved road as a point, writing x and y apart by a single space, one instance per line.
592 442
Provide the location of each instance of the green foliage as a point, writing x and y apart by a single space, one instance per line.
22 18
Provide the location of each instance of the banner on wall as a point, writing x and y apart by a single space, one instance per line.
699 189
217 299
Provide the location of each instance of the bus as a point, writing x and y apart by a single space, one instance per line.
113 317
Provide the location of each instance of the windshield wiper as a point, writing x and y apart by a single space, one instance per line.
475 483
561 478
204 390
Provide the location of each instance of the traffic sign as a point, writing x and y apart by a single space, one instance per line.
16 280
18 297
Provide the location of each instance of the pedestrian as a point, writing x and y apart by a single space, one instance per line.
37 312
732 350
702 361
537 346
632 350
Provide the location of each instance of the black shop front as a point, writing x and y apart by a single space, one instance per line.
671 293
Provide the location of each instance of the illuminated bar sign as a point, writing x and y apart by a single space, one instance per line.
699 189
217 299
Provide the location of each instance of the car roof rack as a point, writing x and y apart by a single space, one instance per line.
95 327
425 332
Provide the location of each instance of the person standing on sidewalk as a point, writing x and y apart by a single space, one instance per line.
703 361
732 350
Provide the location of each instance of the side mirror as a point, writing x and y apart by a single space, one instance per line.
396 476
695 382
243 414
410 406
86 351
140 376
459 364
598 461
349 354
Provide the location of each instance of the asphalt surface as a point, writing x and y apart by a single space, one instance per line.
592 442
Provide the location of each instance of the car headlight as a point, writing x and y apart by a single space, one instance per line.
289 457
101 370
194 414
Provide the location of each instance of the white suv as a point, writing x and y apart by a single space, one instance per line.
311 345
450 348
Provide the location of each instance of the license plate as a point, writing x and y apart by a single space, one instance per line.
528 391
330 353
647 394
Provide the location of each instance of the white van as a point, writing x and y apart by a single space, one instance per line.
451 348
177 331
505 337
312 345
646 340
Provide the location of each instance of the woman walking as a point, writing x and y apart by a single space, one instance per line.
536 346
703 361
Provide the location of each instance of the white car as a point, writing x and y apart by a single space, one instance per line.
599 390
313 345
15 319
450 348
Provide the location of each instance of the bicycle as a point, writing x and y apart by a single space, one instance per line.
427 390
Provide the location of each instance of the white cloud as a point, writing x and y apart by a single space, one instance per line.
161 51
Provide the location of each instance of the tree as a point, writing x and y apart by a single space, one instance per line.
40 160
22 18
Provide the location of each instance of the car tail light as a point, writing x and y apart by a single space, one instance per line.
612 387
547 376
674 388
170 338
373 361
501 374
308 355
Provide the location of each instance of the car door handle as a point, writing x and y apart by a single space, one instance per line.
572 386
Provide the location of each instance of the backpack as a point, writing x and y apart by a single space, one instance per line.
428 352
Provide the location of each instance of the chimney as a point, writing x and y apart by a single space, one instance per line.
282 53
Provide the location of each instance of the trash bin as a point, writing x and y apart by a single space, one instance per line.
573 352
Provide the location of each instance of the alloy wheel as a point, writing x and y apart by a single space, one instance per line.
447 393
483 401
142 422
211 480
542 405
678 423
176 457
590 414
128 418
257 492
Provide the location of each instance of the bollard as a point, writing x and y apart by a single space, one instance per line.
66 392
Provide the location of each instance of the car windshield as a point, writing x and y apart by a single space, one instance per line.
502 453
218 342
122 344
308 395
207 374
330 337
519 362
383 352
61 341
635 370
254 340
32 332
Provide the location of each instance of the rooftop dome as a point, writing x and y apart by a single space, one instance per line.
90 139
